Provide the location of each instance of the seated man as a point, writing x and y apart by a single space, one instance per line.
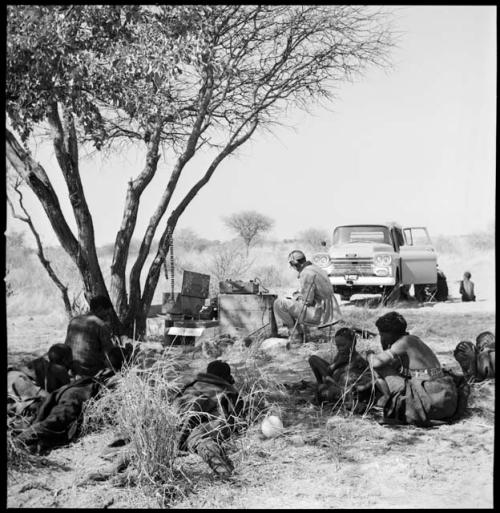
211 408
467 288
420 391
28 385
477 362
348 377
315 303
89 337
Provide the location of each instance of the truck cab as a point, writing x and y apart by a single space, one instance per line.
378 259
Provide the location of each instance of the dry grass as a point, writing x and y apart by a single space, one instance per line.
141 407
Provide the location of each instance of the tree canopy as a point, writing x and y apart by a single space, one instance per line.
175 80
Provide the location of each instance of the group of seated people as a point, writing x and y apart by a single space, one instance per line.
405 380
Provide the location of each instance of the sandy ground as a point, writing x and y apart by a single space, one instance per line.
323 460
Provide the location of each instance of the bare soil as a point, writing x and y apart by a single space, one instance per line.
323 459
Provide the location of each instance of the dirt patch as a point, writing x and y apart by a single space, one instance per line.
323 460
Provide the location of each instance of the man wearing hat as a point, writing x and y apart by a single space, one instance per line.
212 411
315 304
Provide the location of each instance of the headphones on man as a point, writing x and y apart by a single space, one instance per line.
296 257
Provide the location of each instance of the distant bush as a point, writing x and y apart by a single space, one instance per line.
228 262
187 240
445 244
480 240
312 238
271 276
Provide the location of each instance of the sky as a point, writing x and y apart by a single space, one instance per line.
414 144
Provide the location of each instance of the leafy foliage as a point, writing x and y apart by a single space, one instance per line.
179 78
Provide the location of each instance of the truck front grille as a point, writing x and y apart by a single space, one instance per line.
360 266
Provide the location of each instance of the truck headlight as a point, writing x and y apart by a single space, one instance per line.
382 260
321 260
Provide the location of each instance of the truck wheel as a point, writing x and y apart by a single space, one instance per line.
345 297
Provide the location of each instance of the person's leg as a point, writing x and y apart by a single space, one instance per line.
283 309
320 368
206 441
485 365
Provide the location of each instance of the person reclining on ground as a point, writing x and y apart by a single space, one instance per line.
212 411
30 384
209 409
477 362
348 378
59 416
90 338
420 391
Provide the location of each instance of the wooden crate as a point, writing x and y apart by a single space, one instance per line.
246 313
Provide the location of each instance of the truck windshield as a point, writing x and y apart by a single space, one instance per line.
351 234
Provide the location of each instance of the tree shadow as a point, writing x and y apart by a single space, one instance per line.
377 302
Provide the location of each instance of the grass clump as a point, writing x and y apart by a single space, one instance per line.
141 407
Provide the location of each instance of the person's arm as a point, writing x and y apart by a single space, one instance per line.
388 356
461 290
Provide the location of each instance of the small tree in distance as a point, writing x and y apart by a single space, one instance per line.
248 224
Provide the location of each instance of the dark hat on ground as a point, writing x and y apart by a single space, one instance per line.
220 369
391 322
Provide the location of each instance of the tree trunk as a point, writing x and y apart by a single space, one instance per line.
155 268
38 181
118 289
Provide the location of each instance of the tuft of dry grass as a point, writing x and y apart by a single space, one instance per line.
141 407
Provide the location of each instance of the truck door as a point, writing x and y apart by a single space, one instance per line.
418 257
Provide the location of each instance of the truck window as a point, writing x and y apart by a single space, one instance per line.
416 236
353 234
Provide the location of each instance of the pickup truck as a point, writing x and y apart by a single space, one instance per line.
381 259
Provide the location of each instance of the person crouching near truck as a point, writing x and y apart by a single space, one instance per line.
314 304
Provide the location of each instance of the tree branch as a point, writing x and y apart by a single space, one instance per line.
41 256
154 270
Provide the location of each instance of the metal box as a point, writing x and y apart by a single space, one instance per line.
195 289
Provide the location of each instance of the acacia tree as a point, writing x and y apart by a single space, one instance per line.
248 224
174 80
